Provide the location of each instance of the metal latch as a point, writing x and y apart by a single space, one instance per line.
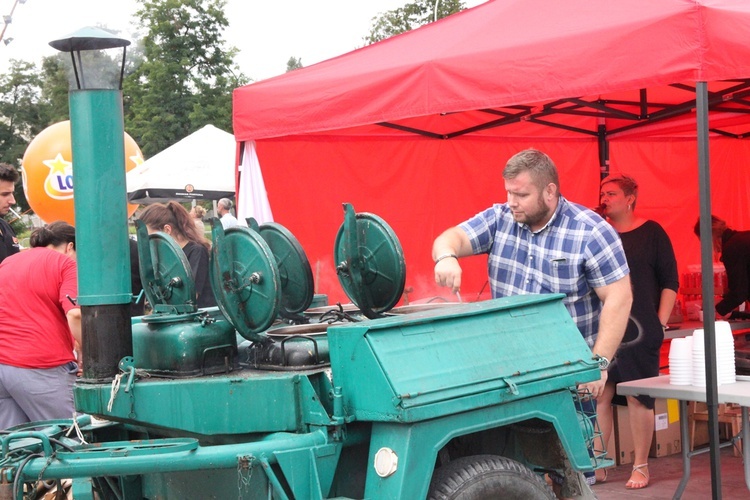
512 387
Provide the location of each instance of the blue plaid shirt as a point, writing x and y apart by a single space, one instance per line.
575 252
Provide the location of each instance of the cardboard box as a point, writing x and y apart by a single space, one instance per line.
698 429
666 429
624 438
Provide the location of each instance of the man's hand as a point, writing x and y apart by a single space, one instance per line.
79 357
596 388
448 273
446 249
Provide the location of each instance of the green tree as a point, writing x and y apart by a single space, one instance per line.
55 87
293 63
22 115
411 15
187 75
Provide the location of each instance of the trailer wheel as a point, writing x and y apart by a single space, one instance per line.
485 477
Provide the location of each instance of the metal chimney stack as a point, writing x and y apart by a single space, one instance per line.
100 200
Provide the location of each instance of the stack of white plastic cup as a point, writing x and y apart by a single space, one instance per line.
699 359
681 361
725 364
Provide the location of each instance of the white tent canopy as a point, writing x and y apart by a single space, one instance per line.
199 167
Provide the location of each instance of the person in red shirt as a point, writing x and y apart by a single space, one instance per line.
40 328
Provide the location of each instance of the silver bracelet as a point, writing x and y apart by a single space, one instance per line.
445 256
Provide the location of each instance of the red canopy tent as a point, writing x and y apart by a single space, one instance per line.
417 128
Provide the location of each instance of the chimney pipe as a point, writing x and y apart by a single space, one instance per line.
104 294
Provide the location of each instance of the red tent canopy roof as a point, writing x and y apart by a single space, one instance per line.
452 75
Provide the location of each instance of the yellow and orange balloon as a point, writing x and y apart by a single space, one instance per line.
47 171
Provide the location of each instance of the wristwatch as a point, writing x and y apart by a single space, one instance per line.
603 362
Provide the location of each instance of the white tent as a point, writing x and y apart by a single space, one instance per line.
199 167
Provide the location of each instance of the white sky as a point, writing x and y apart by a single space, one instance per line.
267 32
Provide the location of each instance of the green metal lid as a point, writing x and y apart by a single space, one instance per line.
165 273
371 267
297 287
245 279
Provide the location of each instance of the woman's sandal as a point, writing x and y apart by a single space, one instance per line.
635 485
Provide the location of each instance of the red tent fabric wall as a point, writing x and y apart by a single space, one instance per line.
667 174
421 187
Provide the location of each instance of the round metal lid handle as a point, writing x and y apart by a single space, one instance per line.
255 278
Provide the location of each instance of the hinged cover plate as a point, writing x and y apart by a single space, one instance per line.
245 279
370 262
165 273
297 287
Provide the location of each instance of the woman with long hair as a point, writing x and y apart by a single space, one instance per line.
40 328
174 220
653 274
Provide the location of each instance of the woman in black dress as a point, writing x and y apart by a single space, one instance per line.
653 275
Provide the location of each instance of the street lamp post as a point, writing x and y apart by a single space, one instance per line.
7 19
101 219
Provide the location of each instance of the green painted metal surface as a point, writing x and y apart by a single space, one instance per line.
295 273
165 273
239 403
369 262
309 471
197 345
245 279
99 183
430 364
411 383
219 471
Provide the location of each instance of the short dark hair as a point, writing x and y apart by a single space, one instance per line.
718 226
55 233
8 173
626 183
541 168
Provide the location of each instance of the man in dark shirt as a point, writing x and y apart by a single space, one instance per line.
8 241
735 254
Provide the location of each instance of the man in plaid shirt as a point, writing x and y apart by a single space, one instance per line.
539 242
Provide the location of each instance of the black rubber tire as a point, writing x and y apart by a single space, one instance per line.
484 477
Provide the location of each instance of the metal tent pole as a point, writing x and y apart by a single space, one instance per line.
603 143
707 271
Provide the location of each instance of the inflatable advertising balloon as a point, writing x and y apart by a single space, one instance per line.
47 171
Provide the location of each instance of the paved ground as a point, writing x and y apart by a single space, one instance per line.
666 473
